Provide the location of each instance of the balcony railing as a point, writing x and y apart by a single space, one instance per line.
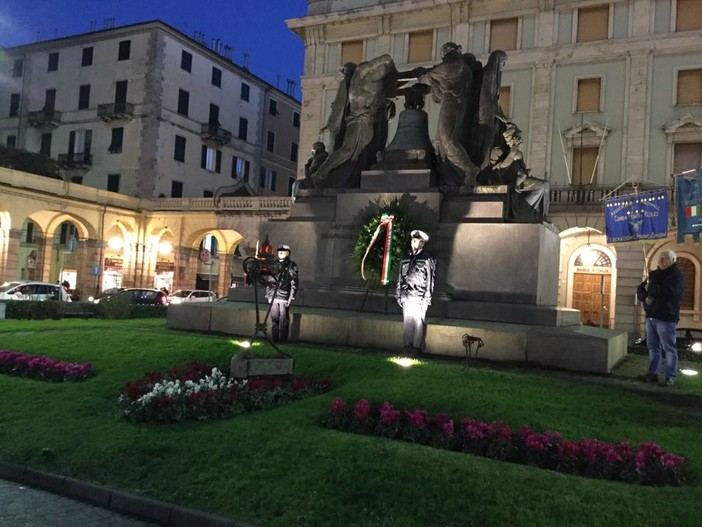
586 197
76 159
215 133
44 118
115 111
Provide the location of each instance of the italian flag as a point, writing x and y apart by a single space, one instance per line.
694 210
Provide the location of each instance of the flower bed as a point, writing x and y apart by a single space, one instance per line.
197 391
649 464
42 367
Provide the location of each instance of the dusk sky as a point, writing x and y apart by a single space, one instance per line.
256 27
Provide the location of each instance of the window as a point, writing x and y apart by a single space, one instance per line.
503 34
273 107
113 182
211 159
214 115
29 235
207 193
291 182
186 61
121 93
505 100
267 178
296 119
688 15
243 128
272 181
79 143
176 189
270 141
84 96
687 268
420 46
584 169
293 151
352 51
686 156
593 23
17 67
53 61
216 77
179 150
689 87
240 168
244 91
45 148
11 141
262 177
116 141
588 98
49 100
87 59
183 102
14 105
125 48
68 231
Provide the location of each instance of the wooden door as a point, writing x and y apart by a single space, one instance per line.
586 297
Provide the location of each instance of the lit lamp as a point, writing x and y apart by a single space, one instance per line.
165 248
116 243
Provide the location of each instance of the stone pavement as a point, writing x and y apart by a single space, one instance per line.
32 498
23 506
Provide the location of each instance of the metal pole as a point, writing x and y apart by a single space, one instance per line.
602 301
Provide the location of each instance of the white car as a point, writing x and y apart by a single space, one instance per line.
30 290
192 295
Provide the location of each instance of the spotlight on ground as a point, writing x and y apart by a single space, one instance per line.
689 373
241 343
696 347
405 362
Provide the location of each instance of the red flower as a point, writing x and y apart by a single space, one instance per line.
339 406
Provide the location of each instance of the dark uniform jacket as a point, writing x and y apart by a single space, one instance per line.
665 287
286 271
416 276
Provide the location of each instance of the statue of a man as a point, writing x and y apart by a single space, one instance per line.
319 156
366 119
450 85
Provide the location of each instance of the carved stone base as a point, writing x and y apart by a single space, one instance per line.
242 366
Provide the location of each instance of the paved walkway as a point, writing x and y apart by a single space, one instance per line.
22 506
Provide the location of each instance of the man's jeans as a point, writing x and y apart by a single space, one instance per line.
660 337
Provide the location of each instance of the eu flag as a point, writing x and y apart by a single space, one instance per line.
688 191
641 216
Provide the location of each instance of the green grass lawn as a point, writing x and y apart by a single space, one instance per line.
281 468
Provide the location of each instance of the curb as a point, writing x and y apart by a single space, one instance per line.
166 514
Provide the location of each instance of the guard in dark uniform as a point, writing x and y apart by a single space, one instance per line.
282 296
415 286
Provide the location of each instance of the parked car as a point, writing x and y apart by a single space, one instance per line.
31 290
687 339
192 295
145 297
106 293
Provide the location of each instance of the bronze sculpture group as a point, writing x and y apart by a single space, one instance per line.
476 143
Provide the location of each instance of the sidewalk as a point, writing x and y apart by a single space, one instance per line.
31 498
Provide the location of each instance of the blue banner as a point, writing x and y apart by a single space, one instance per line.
641 216
688 192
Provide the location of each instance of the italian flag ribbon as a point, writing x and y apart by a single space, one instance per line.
385 221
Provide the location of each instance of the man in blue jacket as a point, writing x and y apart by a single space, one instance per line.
661 295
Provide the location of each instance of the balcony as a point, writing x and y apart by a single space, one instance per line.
213 133
587 197
50 118
116 111
75 160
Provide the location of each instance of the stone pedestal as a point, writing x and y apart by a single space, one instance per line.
488 267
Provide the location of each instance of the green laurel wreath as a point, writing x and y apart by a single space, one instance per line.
401 228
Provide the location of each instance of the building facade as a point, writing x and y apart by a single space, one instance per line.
608 96
146 111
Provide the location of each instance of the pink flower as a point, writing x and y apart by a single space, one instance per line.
671 461
361 410
418 418
447 428
339 406
569 448
388 414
